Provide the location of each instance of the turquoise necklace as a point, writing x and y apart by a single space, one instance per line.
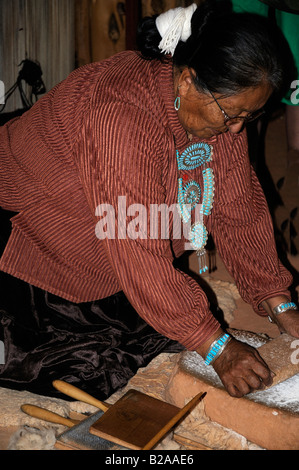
189 194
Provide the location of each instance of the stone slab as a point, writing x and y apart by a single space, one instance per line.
270 428
281 356
268 418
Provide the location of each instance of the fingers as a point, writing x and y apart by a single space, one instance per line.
239 388
242 370
252 380
261 369
242 386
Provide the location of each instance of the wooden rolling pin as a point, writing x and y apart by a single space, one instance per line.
49 416
77 394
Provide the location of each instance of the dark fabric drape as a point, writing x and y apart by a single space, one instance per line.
96 346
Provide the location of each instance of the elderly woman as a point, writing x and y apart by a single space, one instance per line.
85 170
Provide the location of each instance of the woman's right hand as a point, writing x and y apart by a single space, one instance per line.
242 370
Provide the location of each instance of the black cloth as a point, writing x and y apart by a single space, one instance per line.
97 346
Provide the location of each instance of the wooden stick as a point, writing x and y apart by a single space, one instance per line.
74 392
174 420
47 415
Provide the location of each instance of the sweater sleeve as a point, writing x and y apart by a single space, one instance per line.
243 232
122 159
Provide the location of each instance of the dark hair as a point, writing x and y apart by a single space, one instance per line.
229 51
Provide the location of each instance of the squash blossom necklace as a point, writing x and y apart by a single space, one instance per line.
189 194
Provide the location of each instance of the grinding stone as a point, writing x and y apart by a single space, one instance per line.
277 353
264 418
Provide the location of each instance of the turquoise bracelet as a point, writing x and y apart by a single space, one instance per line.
281 308
284 307
217 348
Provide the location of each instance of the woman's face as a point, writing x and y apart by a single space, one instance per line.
200 115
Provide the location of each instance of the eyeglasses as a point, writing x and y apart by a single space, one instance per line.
230 121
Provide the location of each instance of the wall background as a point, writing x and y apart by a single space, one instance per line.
64 34
40 30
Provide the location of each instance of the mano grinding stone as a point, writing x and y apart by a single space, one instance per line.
268 418
279 354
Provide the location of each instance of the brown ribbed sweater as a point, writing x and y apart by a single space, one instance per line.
111 130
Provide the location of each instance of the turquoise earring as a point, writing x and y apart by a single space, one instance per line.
177 102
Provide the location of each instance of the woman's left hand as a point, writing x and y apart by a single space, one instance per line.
288 322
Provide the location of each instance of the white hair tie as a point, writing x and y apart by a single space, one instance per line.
174 26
